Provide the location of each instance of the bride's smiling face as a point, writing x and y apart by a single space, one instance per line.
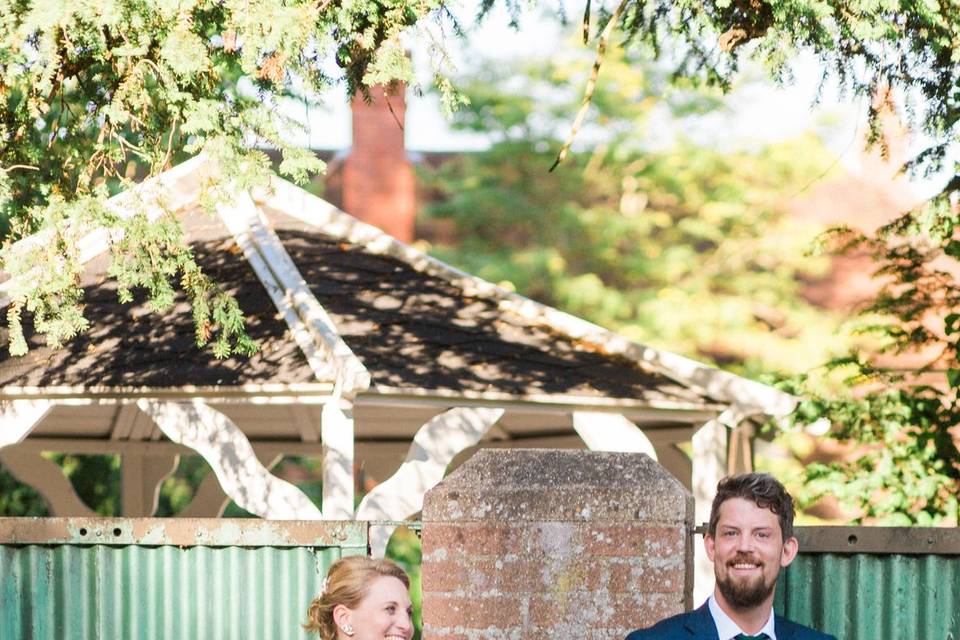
385 613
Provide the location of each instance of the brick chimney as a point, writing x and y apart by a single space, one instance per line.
377 182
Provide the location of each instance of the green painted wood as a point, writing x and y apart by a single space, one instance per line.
874 596
69 591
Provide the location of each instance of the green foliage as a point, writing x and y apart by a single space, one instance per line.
405 549
19 500
95 94
870 46
685 247
902 406
96 479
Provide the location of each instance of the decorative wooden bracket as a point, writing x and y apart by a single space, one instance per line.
433 448
336 435
611 432
48 479
230 455
19 417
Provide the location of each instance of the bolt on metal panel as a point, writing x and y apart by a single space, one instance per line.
183 532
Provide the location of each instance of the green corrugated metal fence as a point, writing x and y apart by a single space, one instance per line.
875 583
76 579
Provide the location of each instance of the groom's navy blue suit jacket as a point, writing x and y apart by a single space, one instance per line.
699 625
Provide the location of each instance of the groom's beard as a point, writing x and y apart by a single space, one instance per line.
746 592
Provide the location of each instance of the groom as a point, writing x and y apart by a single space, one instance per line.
749 539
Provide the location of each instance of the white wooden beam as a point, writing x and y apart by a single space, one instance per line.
19 417
232 458
433 448
336 428
209 501
264 393
316 358
48 479
709 467
611 432
252 232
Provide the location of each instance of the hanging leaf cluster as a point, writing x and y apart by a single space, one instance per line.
95 96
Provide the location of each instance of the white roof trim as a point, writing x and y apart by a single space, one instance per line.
240 219
181 186
544 398
323 389
749 396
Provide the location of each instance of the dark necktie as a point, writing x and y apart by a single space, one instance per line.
743 636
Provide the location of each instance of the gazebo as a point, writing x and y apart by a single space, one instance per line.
372 354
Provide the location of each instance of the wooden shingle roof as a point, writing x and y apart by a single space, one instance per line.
400 320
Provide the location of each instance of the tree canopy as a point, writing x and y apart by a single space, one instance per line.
684 246
96 94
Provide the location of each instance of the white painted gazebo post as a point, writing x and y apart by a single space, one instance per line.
336 435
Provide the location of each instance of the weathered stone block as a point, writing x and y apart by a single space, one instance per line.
535 485
553 544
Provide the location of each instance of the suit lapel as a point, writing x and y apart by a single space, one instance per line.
783 631
700 624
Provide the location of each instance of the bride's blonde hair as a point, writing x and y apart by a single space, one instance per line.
347 583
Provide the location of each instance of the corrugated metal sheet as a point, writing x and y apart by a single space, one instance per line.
75 591
874 596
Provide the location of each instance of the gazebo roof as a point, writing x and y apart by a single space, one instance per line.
372 352
411 330
389 318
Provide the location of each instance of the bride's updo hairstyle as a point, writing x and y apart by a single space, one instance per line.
347 583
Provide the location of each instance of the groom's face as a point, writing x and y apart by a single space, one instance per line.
748 551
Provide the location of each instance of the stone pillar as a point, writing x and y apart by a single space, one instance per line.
536 544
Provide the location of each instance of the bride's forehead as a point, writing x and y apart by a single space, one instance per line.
388 587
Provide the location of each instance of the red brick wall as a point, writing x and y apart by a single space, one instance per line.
542 555
377 179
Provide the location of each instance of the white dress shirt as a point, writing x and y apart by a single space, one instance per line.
727 629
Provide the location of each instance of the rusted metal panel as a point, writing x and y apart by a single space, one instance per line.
257 586
183 532
876 596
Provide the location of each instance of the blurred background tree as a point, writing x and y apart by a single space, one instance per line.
690 247
682 245
676 243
